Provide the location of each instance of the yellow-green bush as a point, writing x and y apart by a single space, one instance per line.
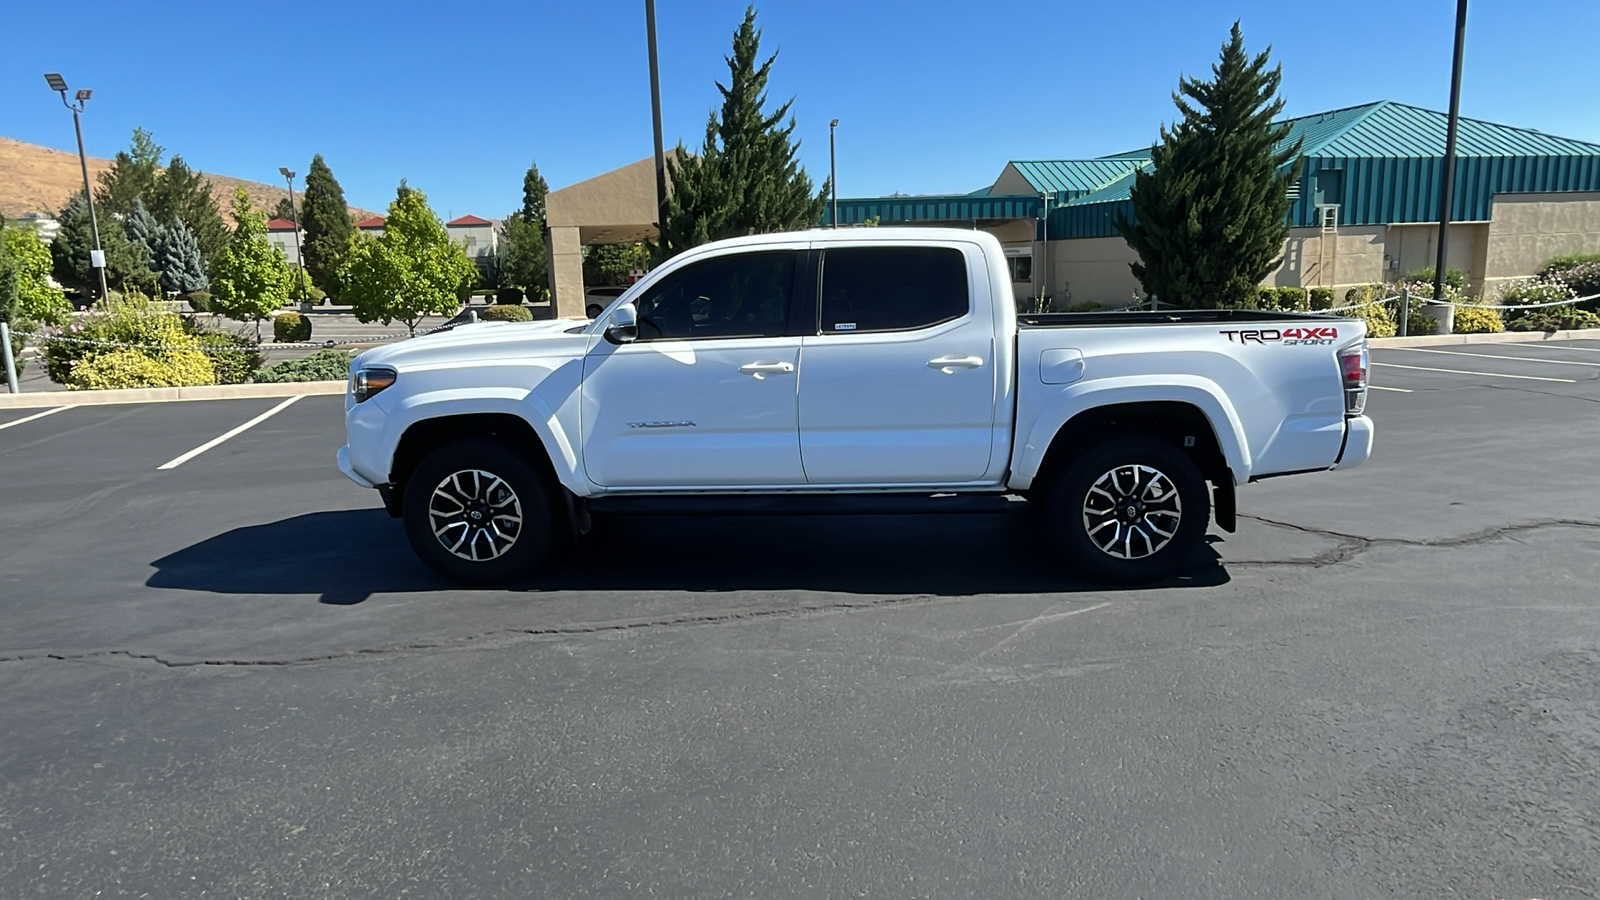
1478 320
504 313
1380 322
133 320
291 328
125 368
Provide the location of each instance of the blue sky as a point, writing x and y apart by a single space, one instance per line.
933 96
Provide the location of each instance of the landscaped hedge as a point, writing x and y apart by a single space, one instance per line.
1321 298
1478 320
291 328
509 296
233 355
164 355
323 365
505 314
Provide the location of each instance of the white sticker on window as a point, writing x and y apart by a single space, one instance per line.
844 326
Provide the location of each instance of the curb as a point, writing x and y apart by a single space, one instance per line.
1503 337
171 394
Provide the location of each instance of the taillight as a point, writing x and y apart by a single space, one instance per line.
1353 363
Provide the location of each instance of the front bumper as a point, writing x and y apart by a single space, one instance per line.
349 471
1357 442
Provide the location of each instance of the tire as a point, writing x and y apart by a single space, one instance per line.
509 536
594 310
1110 539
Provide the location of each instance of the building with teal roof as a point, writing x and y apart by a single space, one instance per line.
1365 208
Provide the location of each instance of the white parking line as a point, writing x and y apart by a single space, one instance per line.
48 412
1379 387
1485 374
1542 362
1557 345
174 463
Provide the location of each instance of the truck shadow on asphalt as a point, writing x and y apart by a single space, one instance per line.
348 555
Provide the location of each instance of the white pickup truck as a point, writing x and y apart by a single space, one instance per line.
867 369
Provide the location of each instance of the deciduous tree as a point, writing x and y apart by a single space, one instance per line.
250 278
412 270
746 179
27 260
1210 219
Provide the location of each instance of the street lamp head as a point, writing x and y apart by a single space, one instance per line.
57 83
83 94
834 124
284 171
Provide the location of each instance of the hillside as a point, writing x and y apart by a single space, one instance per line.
39 179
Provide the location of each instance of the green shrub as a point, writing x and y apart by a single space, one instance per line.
1579 271
1453 278
290 328
234 356
1555 318
505 314
1366 293
125 368
1478 320
323 365
1568 261
509 295
1378 316
1293 299
1321 298
199 301
127 321
315 294
1083 306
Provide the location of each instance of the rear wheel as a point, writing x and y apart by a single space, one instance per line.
1130 510
476 513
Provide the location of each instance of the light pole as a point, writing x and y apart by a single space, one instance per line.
1447 194
97 257
833 173
299 260
655 114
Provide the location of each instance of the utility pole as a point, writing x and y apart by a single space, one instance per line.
1447 194
97 257
655 114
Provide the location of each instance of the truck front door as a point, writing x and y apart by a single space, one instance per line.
707 394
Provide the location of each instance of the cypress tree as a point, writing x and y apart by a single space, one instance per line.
524 258
534 190
1211 217
746 179
325 218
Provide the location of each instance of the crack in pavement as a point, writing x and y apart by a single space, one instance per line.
1350 546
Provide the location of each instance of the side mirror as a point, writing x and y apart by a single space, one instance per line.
624 325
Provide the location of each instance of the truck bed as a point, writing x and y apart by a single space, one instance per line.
1168 317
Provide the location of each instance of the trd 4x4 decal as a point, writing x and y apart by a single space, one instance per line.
1324 334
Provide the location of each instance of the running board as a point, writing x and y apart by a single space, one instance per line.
804 504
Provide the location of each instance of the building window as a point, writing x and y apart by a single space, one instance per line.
1021 268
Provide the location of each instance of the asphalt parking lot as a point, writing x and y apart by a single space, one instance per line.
224 674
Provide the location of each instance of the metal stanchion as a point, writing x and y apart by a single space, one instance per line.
1405 308
11 364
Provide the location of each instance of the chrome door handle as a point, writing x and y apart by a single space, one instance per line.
948 364
761 370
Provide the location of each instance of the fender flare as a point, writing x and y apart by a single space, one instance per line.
1078 398
519 402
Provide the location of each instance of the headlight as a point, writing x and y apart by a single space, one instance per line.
364 383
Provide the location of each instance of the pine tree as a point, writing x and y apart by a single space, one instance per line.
132 174
145 234
325 218
1211 218
746 179
182 194
284 209
534 190
69 252
183 269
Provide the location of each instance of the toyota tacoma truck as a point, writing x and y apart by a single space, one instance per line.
870 369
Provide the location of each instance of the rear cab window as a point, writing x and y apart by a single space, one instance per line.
878 289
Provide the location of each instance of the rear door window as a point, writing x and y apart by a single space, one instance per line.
866 289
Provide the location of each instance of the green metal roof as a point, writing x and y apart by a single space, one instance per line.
933 208
1395 130
1070 178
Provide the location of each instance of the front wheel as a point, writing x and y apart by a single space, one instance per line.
1130 510
476 513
